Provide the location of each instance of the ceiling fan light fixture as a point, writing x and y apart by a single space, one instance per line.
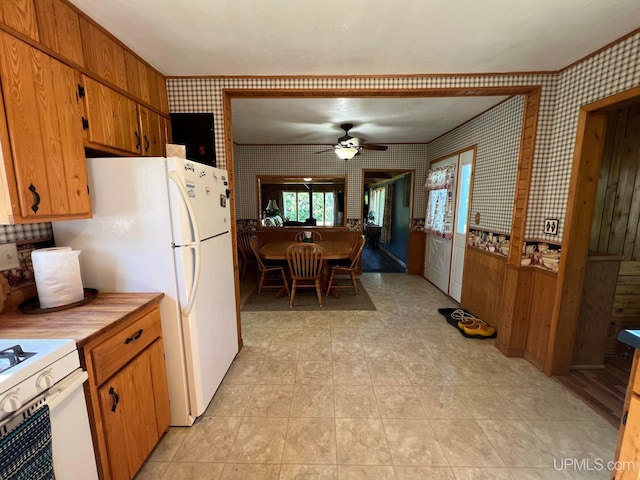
346 153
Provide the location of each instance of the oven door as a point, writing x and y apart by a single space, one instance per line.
71 443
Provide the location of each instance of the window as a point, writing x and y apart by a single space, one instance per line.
297 207
376 205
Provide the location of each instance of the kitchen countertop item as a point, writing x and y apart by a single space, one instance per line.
82 323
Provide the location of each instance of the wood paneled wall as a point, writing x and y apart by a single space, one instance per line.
615 229
415 253
617 214
596 321
482 285
626 304
541 308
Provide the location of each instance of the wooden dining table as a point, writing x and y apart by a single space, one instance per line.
333 250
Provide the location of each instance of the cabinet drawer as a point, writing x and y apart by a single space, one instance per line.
120 348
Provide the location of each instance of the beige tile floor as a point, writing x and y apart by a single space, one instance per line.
392 394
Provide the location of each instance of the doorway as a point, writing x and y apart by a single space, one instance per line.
610 300
449 197
387 199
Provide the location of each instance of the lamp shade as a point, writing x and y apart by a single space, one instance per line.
346 153
272 205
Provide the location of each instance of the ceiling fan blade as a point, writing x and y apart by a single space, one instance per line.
373 146
327 150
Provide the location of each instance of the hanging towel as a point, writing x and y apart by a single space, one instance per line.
25 452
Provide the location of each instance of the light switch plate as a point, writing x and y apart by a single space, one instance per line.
8 256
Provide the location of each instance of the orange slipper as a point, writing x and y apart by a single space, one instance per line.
479 329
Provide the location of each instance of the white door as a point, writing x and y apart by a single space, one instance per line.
438 249
463 185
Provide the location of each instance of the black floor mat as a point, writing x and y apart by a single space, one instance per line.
446 313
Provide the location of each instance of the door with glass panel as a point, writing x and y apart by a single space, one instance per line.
449 193
461 217
441 197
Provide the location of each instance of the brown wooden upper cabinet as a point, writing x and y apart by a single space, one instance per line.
42 141
103 55
152 127
59 27
21 16
145 83
111 119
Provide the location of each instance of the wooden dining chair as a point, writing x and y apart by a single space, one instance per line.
347 269
266 270
246 253
305 267
315 236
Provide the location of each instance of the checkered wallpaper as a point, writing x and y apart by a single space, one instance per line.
611 71
16 233
497 134
301 160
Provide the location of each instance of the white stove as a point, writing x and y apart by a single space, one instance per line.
34 373
29 367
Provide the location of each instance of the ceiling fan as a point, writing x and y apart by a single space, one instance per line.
348 146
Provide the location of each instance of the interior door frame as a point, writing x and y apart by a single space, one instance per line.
585 173
412 171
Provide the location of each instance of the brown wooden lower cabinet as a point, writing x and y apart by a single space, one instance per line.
127 394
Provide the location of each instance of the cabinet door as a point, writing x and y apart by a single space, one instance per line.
45 131
60 29
128 415
112 118
152 128
20 15
160 387
103 55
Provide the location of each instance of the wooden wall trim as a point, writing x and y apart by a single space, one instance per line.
379 92
516 300
580 207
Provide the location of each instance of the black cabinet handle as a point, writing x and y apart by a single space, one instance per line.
134 338
36 198
146 144
137 138
624 417
115 398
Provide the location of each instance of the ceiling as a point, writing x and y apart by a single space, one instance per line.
375 120
360 37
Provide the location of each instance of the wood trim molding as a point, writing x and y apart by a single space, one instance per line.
585 173
516 301
378 92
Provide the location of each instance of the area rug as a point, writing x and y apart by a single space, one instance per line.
306 300
446 313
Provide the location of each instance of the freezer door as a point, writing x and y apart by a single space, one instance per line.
210 329
198 200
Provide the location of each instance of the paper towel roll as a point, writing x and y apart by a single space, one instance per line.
57 274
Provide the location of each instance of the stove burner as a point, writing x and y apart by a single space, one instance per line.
12 356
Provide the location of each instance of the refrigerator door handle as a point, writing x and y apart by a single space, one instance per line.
195 244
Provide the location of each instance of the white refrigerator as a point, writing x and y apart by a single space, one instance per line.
163 225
